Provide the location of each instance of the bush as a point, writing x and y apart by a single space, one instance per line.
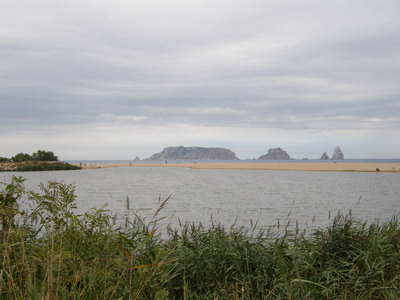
46 167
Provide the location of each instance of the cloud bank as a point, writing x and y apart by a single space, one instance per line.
116 79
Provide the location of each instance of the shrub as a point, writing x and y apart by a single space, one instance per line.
46 167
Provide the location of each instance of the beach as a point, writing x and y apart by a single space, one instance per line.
284 166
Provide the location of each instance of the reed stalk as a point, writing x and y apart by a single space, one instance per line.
66 255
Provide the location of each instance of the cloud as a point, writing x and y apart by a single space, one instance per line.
118 118
102 67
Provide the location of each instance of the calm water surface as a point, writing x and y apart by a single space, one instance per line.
311 199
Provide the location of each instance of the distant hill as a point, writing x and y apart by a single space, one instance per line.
275 154
194 153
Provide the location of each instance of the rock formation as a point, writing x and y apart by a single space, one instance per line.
194 153
337 153
10 167
275 154
324 156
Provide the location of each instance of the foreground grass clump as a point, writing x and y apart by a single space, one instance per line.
51 252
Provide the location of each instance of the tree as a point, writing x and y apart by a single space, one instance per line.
20 157
42 155
4 159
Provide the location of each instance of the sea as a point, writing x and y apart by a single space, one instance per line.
241 198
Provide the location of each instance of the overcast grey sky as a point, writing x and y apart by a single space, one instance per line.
115 79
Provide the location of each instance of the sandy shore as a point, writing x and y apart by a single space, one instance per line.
289 166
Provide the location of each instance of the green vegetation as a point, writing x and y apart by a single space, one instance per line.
39 155
46 167
42 155
52 252
21 157
39 161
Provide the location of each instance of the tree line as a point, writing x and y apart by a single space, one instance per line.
40 155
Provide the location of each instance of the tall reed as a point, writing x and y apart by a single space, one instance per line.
52 252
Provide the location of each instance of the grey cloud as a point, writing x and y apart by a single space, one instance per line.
271 64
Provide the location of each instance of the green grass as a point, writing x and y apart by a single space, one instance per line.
52 252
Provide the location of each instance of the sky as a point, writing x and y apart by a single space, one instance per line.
123 78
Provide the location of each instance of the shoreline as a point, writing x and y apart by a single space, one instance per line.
286 166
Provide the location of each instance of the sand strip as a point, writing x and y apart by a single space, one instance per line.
332 167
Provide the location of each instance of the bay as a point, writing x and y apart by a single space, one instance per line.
241 197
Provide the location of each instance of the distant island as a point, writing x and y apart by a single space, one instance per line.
194 153
40 160
205 153
275 154
337 154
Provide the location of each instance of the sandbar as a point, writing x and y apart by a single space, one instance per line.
284 166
